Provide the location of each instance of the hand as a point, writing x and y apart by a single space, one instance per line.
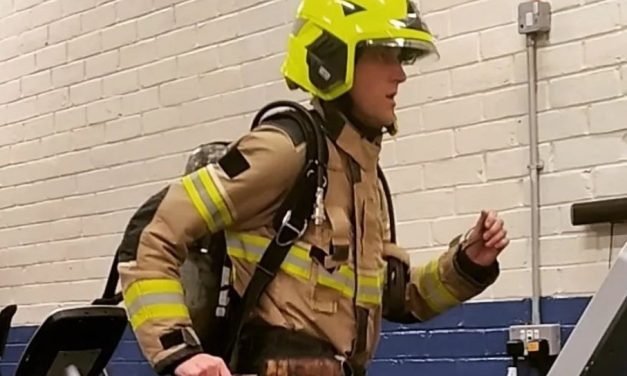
487 239
202 365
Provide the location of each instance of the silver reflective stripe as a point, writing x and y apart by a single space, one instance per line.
369 290
235 242
152 299
343 279
209 204
238 243
348 281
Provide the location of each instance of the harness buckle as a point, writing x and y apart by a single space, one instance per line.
284 237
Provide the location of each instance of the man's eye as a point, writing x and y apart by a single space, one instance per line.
388 55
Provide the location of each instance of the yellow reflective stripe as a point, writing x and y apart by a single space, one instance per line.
298 263
251 247
242 254
154 299
151 286
447 299
295 270
261 242
333 283
188 184
202 189
435 294
369 287
158 311
215 196
370 281
370 299
300 253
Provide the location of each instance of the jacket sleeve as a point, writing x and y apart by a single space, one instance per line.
245 184
442 283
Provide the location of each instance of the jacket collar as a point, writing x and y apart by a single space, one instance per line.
347 137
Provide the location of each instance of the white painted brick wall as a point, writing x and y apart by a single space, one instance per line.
45 13
457 171
560 59
585 21
483 76
489 136
100 102
119 35
584 88
570 122
480 15
176 42
457 51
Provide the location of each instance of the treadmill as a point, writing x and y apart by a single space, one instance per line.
76 341
6 316
598 343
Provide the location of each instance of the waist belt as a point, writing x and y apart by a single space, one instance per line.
261 342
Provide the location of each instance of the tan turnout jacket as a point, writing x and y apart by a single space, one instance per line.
310 294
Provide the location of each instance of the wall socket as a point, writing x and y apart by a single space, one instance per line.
534 17
528 333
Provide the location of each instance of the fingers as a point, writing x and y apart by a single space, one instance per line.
194 369
493 241
203 365
493 230
495 235
481 222
224 370
502 244
491 225
489 218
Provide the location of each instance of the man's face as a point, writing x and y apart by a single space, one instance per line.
378 73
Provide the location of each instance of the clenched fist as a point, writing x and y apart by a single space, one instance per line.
202 365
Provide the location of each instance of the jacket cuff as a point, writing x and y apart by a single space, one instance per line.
479 275
180 345
168 364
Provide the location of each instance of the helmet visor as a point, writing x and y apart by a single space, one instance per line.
411 50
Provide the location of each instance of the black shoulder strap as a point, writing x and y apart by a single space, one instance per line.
287 123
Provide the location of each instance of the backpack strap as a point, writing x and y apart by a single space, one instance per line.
287 123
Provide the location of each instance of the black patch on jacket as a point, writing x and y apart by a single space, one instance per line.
233 163
171 339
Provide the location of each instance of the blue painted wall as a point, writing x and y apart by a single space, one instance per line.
468 340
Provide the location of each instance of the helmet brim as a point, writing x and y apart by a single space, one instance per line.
412 50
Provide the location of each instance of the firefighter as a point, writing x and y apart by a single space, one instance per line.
322 312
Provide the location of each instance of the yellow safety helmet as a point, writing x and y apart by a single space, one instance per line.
327 33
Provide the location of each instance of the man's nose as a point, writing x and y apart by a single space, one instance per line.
399 74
